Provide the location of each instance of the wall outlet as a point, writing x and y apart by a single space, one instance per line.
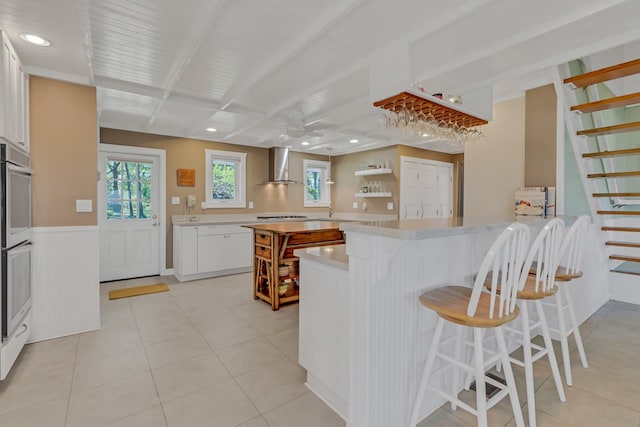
175 200
390 206
355 205
84 206
250 205
203 205
364 206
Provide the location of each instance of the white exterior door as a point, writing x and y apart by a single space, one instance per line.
129 216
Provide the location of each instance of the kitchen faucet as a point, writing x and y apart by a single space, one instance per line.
330 210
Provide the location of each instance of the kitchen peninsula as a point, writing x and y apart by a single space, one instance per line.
385 332
275 267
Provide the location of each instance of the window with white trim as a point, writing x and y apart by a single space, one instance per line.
316 192
226 179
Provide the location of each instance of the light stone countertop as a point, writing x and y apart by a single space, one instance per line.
416 229
333 256
240 219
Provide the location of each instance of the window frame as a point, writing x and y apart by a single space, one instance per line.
325 199
240 201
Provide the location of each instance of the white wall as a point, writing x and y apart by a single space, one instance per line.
495 168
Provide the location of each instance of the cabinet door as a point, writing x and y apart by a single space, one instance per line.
239 250
445 191
5 82
12 112
212 253
188 251
19 103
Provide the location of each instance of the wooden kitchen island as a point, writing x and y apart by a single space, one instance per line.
275 268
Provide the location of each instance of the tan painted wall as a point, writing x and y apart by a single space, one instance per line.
184 153
347 184
63 127
540 137
494 169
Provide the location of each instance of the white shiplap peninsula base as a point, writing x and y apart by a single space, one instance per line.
389 265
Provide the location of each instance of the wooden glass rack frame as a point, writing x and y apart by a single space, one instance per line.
430 105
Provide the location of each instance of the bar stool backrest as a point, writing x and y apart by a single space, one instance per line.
573 246
545 252
507 255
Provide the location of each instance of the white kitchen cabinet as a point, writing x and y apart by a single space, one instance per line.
201 251
426 188
14 95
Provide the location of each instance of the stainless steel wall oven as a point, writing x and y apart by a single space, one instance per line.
15 226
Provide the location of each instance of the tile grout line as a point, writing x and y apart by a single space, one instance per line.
73 373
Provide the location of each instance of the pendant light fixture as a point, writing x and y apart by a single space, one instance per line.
328 179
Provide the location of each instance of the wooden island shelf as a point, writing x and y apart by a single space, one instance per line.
273 248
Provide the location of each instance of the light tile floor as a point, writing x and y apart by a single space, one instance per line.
206 354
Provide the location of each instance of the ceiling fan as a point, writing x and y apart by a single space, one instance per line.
307 130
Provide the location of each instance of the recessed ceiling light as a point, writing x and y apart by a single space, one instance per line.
211 129
354 141
304 143
34 39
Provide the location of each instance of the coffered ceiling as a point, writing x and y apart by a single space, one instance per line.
284 72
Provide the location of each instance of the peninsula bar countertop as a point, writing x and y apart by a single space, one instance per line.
275 267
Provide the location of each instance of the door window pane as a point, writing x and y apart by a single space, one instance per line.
128 189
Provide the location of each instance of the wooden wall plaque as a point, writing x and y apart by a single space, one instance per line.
187 177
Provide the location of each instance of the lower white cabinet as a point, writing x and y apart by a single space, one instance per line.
201 251
11 348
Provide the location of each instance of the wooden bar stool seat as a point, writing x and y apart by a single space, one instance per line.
529 291
475 309
450 302
563 274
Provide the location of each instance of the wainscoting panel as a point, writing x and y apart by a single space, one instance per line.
66 287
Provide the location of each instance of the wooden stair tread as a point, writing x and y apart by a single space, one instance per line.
616 194
629 229
608 130
618 212
623 244
451 303
625 258
614 174
609 103
603 154
613 72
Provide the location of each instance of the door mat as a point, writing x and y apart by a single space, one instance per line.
138 290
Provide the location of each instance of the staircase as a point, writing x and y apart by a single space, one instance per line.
605 131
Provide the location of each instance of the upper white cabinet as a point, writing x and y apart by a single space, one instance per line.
426 188
14 97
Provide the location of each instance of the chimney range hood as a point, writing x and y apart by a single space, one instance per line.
279 166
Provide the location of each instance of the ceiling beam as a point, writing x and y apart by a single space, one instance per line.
198 34
82 7
313 33
465 9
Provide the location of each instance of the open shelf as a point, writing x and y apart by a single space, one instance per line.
373 171
605 74
373 194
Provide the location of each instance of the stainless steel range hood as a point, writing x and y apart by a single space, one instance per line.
279 166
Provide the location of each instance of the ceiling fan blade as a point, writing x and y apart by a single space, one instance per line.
296 133
313 134
319 126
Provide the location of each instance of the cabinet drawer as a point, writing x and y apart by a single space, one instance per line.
214 230
263 251
315 236
263 239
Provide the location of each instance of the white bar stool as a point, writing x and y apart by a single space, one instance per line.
471 307
570 267
544 254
